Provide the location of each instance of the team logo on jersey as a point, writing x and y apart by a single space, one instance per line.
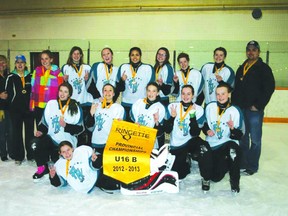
134 83
141 119
211 86
99 121
55 124
77 84
218 130
184 127
77 173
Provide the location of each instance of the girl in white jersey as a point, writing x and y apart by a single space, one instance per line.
101 117
224 127
62 120
133 78
150 112
186 121
76 72
187 76
102 73
76 167
215 73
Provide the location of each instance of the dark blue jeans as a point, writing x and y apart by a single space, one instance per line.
6 136
252 139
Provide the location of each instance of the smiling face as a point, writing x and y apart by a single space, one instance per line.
135 56
152 92
46 61
76 56
186 95
63 93
222 94
108 93
20 65
219 56
184 63
107 56
66 152
252 53
161 56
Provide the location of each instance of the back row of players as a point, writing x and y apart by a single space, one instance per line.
145 100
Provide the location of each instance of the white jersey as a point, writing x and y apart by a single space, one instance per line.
181 130
166 73
78 83
52 115
103 123
135 87
221 129
210 81
79 172
194 79
144 116
101 75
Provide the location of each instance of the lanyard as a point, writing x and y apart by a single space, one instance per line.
65 107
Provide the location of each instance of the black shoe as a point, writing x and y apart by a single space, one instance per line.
248 172
205 185
40 172
5 158
235 188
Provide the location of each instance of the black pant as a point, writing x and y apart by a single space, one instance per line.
224 161
127 113
85 137
18 119
38 114
44 150
201 151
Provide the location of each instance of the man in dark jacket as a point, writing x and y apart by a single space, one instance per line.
254 86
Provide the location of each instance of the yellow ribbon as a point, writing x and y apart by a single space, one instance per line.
185 80
65 107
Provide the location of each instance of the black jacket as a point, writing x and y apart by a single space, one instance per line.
255 88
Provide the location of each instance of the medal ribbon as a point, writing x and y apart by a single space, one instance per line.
185 80
23 81
185 114
217 70
108 72
78 72
67 167
247 67
133 72
221 114
65 107
104 104
157 71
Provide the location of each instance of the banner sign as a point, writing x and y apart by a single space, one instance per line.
127 151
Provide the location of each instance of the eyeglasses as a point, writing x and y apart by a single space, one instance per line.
161 55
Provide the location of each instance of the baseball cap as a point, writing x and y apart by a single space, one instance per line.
253 43
20 57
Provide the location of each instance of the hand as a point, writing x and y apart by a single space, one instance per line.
65 77
52 172
93 108
173 111
156 117
175 78
86 75
94 156
38 133
62 122
230 123
253 108
124 76
219 78
210 133
3 95
160 81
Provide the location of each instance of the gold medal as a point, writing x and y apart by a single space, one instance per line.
46 88
24 91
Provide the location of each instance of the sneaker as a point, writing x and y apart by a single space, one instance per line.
5 158
248 172
205 185
18 163
41 171
234 186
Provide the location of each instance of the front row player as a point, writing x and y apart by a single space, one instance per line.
224 128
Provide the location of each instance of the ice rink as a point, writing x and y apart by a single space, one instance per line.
264 193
